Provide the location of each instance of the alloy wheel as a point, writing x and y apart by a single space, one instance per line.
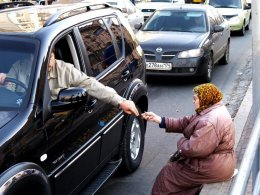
135 139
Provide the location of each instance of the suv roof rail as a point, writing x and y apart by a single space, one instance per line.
74 10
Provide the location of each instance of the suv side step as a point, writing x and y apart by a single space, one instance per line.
101 178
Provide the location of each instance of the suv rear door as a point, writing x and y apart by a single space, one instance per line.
106 63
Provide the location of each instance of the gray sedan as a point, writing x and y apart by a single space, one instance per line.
185 40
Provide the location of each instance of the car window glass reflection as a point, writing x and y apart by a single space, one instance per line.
117 33
99 45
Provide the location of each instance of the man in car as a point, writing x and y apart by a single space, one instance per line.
20 70
198 24
64 75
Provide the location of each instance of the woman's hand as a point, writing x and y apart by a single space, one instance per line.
150 116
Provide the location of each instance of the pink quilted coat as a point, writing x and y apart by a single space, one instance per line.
207 148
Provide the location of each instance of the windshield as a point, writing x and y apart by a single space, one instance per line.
225 3
181 21
112 2
16 64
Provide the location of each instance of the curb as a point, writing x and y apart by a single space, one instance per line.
240 120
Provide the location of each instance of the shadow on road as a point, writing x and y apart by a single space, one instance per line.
172 81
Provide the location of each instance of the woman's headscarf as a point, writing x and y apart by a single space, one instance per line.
208 95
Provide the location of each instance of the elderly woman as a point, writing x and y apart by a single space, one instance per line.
206 150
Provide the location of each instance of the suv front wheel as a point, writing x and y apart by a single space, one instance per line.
133 145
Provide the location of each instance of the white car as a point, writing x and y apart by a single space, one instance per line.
131 13
237 13
149 7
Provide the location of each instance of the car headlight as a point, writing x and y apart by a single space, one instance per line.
193 53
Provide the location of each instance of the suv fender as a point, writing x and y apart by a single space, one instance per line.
137 91
24 178
134 129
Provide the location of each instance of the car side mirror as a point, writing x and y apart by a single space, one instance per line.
68 99
124 10
247 6
218 28
138 26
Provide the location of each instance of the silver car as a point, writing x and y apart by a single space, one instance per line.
130 11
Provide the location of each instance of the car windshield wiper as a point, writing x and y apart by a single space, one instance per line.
225 6
150 30
232 6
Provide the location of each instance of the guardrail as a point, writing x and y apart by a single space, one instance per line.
251 156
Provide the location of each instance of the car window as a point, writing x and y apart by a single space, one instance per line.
182 21
212 20
217 17
226 3
99 45
115 27
130 7
17 59
65 51
220 18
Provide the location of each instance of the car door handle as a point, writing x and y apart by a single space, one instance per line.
125 75
90 105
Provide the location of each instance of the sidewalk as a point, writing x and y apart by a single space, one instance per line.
243 125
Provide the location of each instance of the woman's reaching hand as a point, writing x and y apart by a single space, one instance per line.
150 116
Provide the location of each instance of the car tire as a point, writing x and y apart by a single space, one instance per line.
207 77
242 31
133 145
247 26
225 59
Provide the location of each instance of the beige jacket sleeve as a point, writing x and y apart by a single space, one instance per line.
68 76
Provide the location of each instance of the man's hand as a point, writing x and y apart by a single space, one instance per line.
2 78
129 107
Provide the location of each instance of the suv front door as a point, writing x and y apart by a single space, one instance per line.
74 140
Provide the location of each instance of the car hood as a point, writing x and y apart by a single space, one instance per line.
229 11
178 41
6 116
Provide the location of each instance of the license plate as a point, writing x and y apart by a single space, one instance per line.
158 66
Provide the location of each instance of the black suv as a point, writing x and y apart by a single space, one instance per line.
74 143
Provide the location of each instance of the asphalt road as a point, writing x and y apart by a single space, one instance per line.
173 97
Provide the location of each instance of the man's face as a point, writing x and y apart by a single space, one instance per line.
52 61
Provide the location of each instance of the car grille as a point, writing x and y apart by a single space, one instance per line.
149 55
166 56
169 55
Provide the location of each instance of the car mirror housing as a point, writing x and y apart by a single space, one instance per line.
247 6
138 26
69 98
218 28
124 10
